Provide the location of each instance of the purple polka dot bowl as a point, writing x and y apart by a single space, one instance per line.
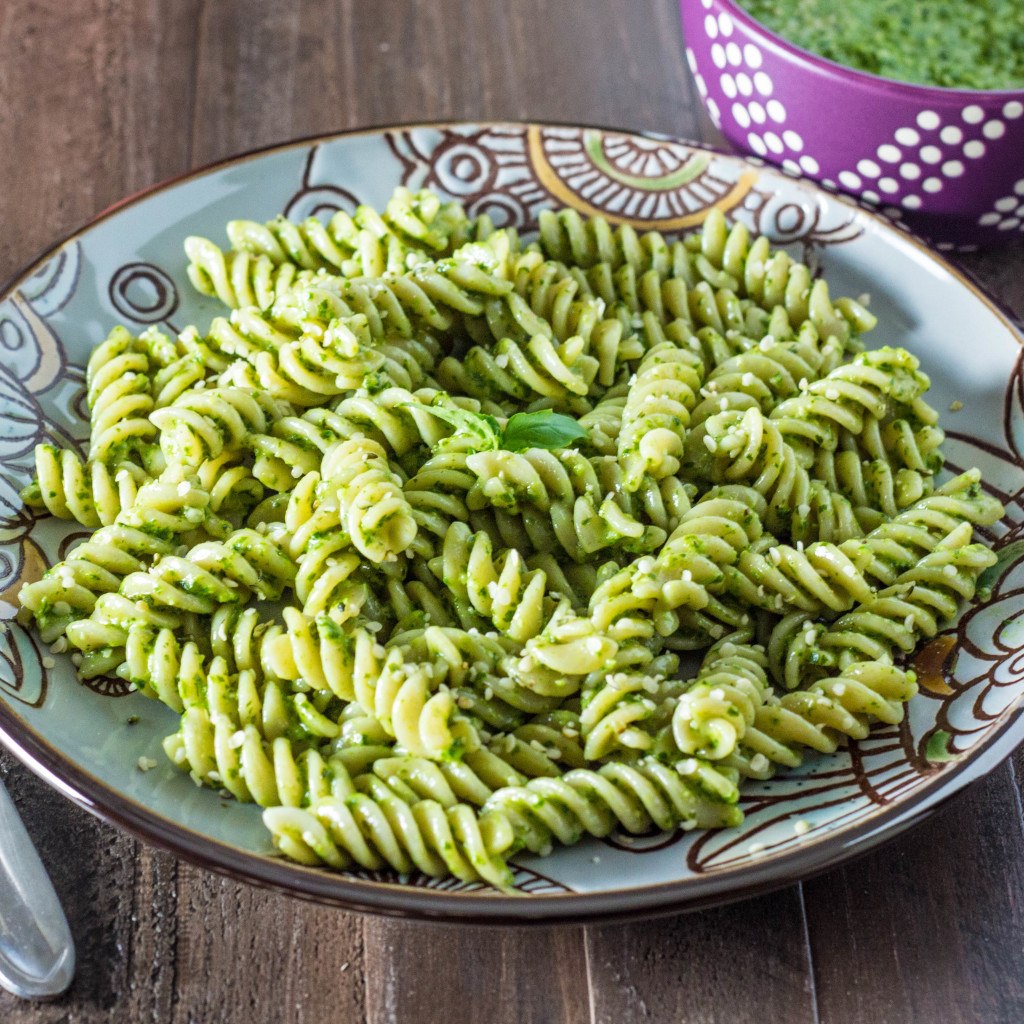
946 163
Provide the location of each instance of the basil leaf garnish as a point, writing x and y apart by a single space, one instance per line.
541 429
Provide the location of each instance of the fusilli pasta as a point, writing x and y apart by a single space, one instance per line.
410 536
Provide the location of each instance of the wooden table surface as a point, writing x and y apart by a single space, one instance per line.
101 98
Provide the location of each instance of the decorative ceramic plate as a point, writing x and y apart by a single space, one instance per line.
128 266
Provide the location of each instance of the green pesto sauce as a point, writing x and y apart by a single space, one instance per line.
962 44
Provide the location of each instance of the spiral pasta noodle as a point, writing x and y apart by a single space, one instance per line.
538 368
585 513
622 712
93 493
730 714
119 395
633 797
766 373
367 243
548 297
713 264
377 829
851 394
921 598
163 511
712 717
898 544
239 277
749 447
648 597
657 413
201 425
502 590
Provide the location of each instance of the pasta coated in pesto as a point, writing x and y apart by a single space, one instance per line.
414 537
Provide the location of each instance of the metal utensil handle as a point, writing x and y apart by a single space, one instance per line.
37 953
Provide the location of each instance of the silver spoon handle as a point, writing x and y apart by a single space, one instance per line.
37 953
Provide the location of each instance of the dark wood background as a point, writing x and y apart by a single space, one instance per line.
101 98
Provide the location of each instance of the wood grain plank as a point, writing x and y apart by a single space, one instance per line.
90 97
429 974
687 969
99 876
150 946
928 928
244 954
269 72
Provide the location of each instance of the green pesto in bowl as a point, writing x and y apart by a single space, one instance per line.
959 44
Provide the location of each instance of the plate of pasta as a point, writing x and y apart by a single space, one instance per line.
507 522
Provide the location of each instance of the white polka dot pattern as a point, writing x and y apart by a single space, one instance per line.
939 148
756 143
749 89
1007 213
741 86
